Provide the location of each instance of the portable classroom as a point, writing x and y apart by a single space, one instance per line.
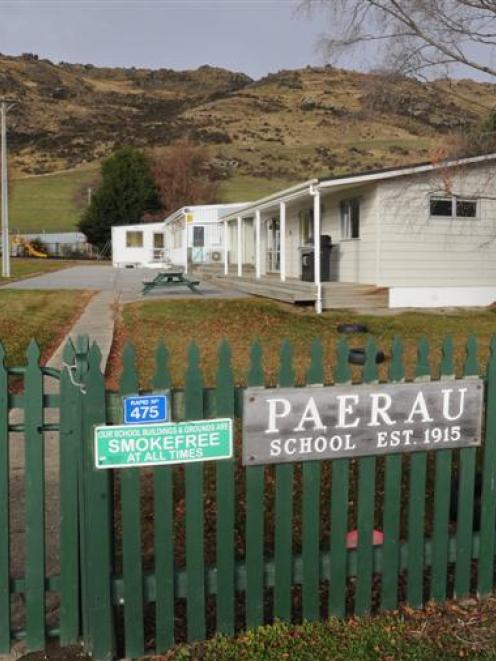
194 234
189 235
140 245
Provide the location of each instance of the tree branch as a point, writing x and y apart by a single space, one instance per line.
447 29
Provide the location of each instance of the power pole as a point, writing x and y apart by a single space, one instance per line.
5 106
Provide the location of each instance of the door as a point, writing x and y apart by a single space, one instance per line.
158 247
273 245
198 253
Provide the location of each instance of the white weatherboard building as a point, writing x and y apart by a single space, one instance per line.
415 236
141 245
191 235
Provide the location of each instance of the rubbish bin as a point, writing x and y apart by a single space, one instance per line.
307 265
325 257
308 261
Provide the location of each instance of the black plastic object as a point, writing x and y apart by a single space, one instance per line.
308 261
352 328
359 356
307 268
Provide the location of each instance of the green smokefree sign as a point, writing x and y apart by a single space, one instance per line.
122 446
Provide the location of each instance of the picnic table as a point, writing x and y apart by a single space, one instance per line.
170 279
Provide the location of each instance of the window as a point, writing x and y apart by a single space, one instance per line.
134 239
350 219
306 227
453 207
198 237
466 208
158 241
441 206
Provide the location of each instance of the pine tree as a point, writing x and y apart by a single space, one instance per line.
127 190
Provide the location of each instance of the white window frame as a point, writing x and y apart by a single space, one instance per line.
454 201
137 233
194 230
346 224
306 227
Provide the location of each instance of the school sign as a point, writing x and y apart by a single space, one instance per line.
300 424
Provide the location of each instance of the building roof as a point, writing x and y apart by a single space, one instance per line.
232 206
403 170
341 180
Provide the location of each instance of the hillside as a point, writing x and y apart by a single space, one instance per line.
260 135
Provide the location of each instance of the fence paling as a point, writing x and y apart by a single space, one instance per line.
485 578
68 496
366 506
4 509
339 508
164 561
163 529
81 348
392 501
98 503
442 493
416 504
416 512
194 508
225 501
131 532
254 542
311 509
283 535
35 500
465 521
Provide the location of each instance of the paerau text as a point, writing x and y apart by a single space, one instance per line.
296 424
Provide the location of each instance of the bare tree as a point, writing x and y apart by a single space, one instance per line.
414 37
183 178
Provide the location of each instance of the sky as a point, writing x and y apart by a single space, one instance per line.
252 36
255 37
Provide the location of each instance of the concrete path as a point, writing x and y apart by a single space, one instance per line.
126 284
97 321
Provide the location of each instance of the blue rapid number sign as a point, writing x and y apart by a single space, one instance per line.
145 409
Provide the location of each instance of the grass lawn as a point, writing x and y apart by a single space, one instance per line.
47 202
44 315
241 321
452 631
243 188
28 267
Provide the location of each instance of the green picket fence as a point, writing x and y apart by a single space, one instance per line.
151 557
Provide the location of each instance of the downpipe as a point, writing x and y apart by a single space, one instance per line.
315 193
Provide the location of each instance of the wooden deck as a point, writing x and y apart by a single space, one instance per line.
335 295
